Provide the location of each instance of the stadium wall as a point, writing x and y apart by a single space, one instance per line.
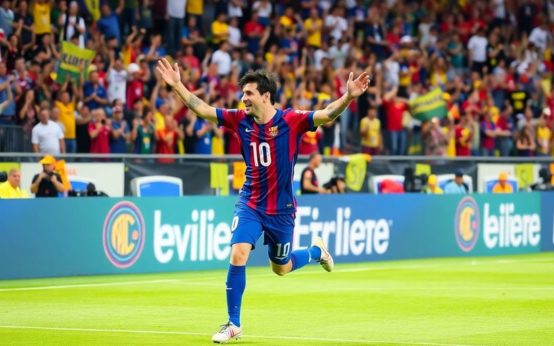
90 236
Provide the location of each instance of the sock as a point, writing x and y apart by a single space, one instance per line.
236 282
315 253
300 258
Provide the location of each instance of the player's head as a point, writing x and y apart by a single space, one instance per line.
259 89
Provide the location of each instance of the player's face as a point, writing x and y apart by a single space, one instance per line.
252 98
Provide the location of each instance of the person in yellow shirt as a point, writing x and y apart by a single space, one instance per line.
220 29
314 29
544 138
502 186
11 188
41 10
370 131
66 105
432 187
195 8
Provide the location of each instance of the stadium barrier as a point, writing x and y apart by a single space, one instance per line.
90 236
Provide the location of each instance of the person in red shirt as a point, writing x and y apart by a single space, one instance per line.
99 131
135 86
167 139
254 31
463 133
309 143
394 109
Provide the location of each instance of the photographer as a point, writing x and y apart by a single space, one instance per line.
47 183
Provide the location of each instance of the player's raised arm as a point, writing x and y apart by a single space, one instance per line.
172 76
354 88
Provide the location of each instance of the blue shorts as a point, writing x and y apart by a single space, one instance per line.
248 225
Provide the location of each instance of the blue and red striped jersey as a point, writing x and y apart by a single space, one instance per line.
270 152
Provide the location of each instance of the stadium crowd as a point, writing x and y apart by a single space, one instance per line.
493 61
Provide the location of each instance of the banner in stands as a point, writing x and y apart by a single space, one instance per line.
89 236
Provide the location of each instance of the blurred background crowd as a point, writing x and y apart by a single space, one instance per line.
492 60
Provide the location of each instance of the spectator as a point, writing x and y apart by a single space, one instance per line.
434 138
6 17
477 47
117 79
73 26
7 110
66 104
432 186
308 179
264 10
544 138
463 133
176 12
222 59
135 86
502 186
94 93
505 132
220 29
370 131
204 131
254 32
394 108
168 138
488 135
143 133
41 10
309 143
457 186
314 29
525 142
47 136
47 183
99 131
11 188
120 132
108 24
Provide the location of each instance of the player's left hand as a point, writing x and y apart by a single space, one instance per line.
358 86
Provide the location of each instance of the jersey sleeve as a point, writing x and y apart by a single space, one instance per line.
229 118
301 121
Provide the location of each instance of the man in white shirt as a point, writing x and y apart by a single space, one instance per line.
176 12
477 46
47 136
222 58
336 23
540 35
117 81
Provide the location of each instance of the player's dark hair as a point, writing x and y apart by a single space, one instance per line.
264 80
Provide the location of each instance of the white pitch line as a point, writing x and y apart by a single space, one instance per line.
100 284
299 338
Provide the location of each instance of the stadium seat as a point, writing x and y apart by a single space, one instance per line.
490 181
157 186
444 179
375 181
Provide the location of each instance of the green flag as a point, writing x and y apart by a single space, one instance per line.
428 106
70 63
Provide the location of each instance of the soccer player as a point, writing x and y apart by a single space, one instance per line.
269 144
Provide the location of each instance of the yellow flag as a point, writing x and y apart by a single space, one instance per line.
524 174
239 174
219 177
93 7
356 171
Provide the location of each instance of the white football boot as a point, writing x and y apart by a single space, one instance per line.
227 332
326 259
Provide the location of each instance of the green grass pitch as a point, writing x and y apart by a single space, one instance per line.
463 301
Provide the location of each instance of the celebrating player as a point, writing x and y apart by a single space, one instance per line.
269 144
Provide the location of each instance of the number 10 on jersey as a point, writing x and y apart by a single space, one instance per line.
261 153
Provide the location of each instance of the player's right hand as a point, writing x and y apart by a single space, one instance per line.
170 74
